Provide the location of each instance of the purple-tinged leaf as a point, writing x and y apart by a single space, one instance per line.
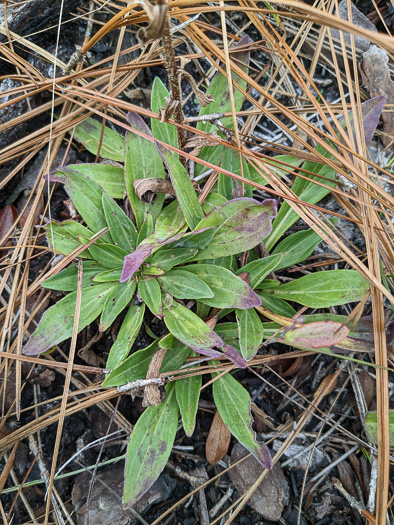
234 356
133 261
138 123
241 225
229 290
233 402
188 328
316 335
149 447
57 323
371 111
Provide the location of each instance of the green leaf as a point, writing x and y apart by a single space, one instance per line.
162 130
297 247
213 200
169 222
127 334
307 191
218 88
233 403
165 259
184 285
187 394
66 236
110 178
184 189
116 302
229 290
241 225
231 162
136 366
275 165
108 275
259 269
88 133
108 255
142 161
149 447
189 328
87 198
123 231
250 332
150 293
324 289
57 323
276 305
67 280
371 426
146 229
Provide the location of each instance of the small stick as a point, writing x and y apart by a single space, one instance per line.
352 501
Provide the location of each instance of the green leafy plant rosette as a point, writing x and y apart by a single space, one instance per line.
185 251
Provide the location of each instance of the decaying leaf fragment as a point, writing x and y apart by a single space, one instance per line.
157 14
146 189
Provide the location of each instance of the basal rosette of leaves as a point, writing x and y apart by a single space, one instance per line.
184 251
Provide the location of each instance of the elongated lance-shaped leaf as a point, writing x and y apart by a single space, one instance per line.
142 161
57 322
250 332
184 285
241 225
162 130
296 247
259 269
187 394
229 290
165 259
149 447
192 240
129 329
123 231
133 261
150 293
65 237
169 222
307 191
136 366
67 280
233 403
324 289
231 162
108 255
183 186
116 302
109 177
371 111
87 198
218 88
89 134
315 335
194 333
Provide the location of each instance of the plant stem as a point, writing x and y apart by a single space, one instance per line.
172 71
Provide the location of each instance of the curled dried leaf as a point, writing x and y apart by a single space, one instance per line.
146 189
167 112
203 99
157 15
